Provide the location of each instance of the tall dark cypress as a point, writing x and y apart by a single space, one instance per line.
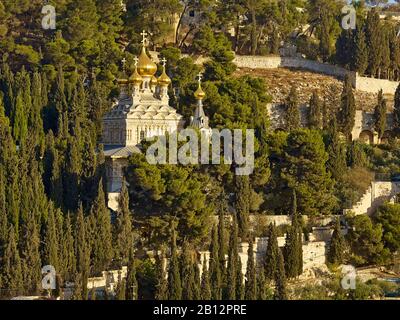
251 278
347 109
131 290
221 238
242 204
337 153
162 283
361 54
174 276
292 113
231 275
271 257
380 115
205 282
214 267
315 117
187 272
280 279
336 246
396 110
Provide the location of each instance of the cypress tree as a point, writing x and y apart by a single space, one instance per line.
361 54
347 109
242 204
196 281
251 280
231 276
11 272
394 55
162 284
205 282
262 293
373 34
67 253
120 293
271 257
221 238
240 292
82 247
71 175
214 267
336 246
315 118
174 277
123 229
131 292
19 119
396 110
187 273
51 242
101 234
325 116
280 279
337 153
35 121
292 113
380 115
357 155
31 255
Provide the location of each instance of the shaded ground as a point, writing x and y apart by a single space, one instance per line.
280 80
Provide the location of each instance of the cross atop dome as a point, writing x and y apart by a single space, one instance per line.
144 34
136 60
164 62
200 77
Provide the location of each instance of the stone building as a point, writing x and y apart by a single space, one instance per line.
142 111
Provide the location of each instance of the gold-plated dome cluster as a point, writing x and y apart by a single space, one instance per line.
146 67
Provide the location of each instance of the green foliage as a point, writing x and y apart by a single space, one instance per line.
292 110
380 115
336 251
174 276
388 216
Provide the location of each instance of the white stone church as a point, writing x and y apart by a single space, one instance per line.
142 111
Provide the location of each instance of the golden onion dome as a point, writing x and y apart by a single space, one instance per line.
136 78
164 80
199 94
153 81
146 66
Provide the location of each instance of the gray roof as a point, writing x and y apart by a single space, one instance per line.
115 151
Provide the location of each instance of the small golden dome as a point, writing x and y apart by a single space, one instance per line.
146 66
136 78
153 81
164 80
199 94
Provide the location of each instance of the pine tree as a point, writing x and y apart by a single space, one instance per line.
231 275
82 247
71 176
242 204
380 115
347 109
337 245
262 293
214 267
102 250
162 284
120 293
35 121
280 279
251 280
19 119
361 55
205 282
123 228
315 119
174 277
292 115
337 153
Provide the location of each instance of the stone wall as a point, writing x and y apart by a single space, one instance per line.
373 85
272 62
364 84
376 195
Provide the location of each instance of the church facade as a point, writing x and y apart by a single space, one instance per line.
142 111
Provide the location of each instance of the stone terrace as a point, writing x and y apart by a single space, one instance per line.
280 80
